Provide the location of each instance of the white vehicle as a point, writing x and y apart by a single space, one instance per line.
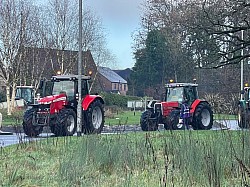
26 93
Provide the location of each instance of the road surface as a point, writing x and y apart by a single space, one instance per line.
15 138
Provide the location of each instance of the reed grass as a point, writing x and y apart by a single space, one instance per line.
162 158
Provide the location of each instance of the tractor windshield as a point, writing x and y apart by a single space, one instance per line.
25 93
174 94
66 87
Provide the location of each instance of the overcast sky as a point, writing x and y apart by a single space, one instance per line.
120 19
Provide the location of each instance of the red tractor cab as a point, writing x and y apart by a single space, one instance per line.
167 111
57 108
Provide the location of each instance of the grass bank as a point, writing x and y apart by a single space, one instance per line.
165 158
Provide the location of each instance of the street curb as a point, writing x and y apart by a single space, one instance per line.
5 133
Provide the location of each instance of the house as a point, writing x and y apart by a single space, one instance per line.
125 73
111 81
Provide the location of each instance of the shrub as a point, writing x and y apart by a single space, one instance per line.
221 105
112 99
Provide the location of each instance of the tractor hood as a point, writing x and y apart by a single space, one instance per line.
167 107
52 98
171 105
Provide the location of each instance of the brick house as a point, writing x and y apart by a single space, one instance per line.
111 81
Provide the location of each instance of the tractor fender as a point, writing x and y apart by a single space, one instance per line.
242 104
89 99
195 104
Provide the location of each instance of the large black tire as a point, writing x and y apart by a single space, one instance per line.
30 129
146 123
173 121
94 118
65 124
243 118
203 117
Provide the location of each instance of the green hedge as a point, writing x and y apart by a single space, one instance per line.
111 99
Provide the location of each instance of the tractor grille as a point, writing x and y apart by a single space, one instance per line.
42 115
158 108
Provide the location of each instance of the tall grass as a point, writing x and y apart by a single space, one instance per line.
165 158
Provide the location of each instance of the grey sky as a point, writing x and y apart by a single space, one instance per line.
120 18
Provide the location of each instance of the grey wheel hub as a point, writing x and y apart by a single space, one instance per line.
205 117
70 123
97 117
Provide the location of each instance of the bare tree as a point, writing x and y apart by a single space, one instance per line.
15 32
215 31
61 21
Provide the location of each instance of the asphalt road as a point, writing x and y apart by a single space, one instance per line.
15 138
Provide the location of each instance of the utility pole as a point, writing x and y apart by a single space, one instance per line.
79 105
242 67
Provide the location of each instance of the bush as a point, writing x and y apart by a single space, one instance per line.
222 105
111 99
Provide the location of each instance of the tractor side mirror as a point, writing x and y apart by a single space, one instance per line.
41 83
162 97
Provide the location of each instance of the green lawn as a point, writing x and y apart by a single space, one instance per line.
14 119
138 159
133 118
225 117
124 118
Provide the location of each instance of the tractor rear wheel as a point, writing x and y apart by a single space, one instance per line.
65 124
94 122
203 117
148 124
28 127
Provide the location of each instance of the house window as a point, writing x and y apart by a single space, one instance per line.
125 87
115 86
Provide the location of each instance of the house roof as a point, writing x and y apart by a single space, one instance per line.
125 73
111 75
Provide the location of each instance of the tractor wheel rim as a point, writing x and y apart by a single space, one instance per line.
70 123
179 125
205 117
97 117
239 117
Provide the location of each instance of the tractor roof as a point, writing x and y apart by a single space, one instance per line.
69 77
25 87
181 85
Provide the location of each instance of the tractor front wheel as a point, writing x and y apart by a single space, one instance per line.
174 123
148 124
203 117
243 118
29 128
65 123
94 118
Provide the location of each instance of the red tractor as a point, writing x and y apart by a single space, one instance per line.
57 108
167 111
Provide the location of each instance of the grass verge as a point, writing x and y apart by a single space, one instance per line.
165 158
